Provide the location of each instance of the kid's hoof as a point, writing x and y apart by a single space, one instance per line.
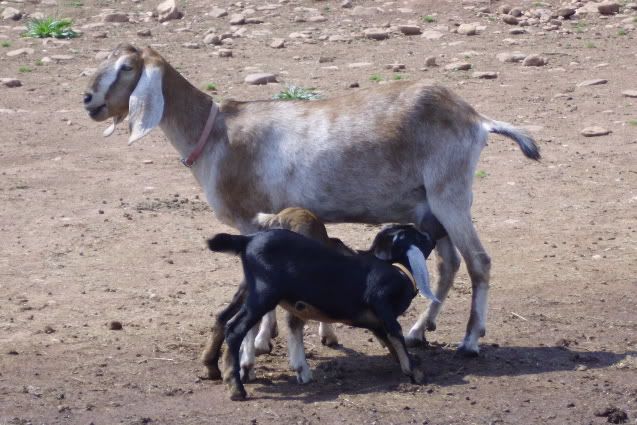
212 373
430 326
238 394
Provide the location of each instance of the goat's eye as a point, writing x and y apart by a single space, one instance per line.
126 68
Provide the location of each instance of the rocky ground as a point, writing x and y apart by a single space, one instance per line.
95 232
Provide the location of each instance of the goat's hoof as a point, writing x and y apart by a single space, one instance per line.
261 349
418 377
414 342
482 333
468 352
238 394
212 373
430 325
304 375
329 341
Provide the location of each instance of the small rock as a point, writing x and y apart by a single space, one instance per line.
116 17
511 57
212 39
458 66
608 8
432 35
168 10
260 78
346 4
20 52
613 415
486 75
225 53
144 33
517 31
364 11
318 18
566 12
353 85
629 93
11 13
359 65
237 19
101 55
147 161
115 325
430 61
516 11
395 66
48 330
594 82
534 60
467 29
410 29
594 131
99 35
62 58
277 43
253 20
218 12
504 9
376 34
10 82
191 45
511 20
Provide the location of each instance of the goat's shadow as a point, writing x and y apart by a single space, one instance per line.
359 373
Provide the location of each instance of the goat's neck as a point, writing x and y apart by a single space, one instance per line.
186 111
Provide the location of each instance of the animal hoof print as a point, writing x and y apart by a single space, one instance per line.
468 353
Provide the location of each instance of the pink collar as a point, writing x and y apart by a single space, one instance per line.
194 155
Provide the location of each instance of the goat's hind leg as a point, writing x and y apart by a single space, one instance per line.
448 265
296 349
327 334
267 331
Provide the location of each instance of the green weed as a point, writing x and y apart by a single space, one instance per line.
50 27
297 93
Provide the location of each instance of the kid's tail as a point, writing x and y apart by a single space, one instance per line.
526 142
224 242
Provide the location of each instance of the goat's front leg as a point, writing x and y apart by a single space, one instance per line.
212 350
267 331
448 265
328 337
296 349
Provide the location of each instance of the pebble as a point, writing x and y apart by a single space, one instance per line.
566 12
10 82
594 131
486 75
11 13
410 29
594 82
116 17
191 45
364 11
318 18
346 4
237 19
277 43
62 58
511 57
101 55
20 52
430 61
516 11
260 78
218 12
359 65
115 325
168 10
458 66
253 20
534 60
212 39
99 35
511 20
517 31
467 29
608 8
144 33
376 34
432 35
225 53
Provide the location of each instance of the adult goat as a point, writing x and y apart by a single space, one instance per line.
388 154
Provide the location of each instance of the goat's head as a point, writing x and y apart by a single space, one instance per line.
128 82
403 243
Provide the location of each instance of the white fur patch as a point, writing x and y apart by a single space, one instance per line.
146 104
418 265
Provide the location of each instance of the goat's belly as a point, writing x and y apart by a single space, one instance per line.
305 311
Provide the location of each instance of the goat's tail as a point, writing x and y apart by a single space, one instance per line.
526 142
223 242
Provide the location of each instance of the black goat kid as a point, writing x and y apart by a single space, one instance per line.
313 281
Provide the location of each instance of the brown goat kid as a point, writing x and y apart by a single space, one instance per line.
393 153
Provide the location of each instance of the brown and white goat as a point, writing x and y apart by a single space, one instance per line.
387 154
298 220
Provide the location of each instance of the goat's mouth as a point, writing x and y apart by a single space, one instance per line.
96 111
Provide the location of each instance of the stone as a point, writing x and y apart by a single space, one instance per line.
359 65
212 39
237 19
218 12
511 20
115 325
608 8
486 75
191 45
566 12
410 29
458 66
430 61
253 20
101 55
116 17
364 11
467 29
21 52
99 35
318 18
11 13
534 60
339 37
167 10
62 58
516 11
504 9
346 4
517 31
144 33
376 34
629 93
225 53
594 82
260 78
277 43
432 35
511 57
594 131
10 82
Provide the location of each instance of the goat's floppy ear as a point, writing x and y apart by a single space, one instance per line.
418 265
146 103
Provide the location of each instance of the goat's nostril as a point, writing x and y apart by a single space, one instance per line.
87 97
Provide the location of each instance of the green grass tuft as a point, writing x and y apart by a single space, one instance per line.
622 31
429 19
398 77
50 27
481 174
297 93
375 78
5 44
632 122
24 69
590 45
211 87
76 3
39 62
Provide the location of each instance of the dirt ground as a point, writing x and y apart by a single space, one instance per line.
94 231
